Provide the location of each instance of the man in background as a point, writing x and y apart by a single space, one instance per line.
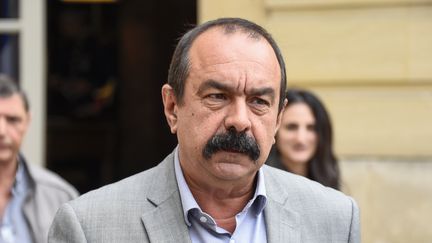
29 195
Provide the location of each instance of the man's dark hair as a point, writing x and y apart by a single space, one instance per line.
180 63
8 87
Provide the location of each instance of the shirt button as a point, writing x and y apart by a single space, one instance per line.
203 219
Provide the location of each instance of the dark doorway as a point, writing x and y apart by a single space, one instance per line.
106 65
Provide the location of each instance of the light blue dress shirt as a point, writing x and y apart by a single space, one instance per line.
250 223
13 226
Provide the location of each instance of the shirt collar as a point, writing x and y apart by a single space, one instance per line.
188 201
21 180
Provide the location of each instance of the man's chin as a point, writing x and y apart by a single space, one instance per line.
6 157
232 160
230 156
232 171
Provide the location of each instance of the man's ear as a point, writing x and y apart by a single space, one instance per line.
279 118
170 106
27 121
29 117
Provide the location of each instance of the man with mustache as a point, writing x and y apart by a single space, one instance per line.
29 195
223 100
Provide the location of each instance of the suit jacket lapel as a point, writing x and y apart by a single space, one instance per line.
282 221
282 224
165 223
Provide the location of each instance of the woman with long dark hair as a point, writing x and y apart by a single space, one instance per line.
304 141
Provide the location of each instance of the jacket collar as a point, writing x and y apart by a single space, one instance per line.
282 220
27 172
165 222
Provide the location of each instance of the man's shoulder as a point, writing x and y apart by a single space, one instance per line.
127 187
45 179
131 190
320 213
118 209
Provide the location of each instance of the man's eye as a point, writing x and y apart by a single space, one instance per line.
260 102
13 119
217 96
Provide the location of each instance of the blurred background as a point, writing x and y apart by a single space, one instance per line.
93 70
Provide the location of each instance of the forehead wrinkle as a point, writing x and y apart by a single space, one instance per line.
214 84
237 67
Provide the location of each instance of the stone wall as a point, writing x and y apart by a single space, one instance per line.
395 198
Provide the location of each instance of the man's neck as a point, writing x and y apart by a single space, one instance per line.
7 178
223 201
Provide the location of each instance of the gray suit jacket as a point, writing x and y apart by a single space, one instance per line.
147 208
47 193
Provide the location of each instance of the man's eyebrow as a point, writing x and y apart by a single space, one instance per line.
213 84
220 86
262 91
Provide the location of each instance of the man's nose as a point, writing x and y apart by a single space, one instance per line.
238 117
